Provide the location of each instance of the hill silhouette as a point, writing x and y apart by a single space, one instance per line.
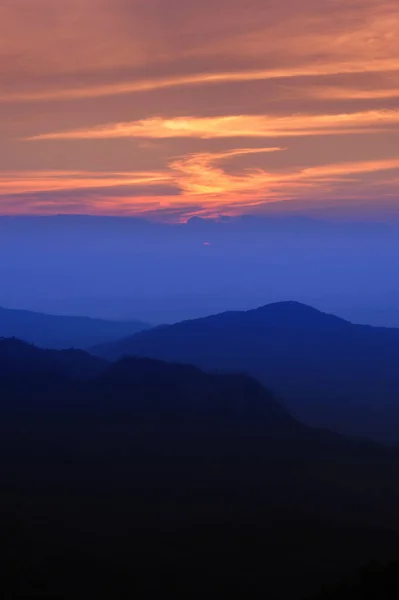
18 357
54 331
330 372
143 478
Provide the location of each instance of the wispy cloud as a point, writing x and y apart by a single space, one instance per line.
200 175
200 79
21 182
160 107
235 126
197 183
348 93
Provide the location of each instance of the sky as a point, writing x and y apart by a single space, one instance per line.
174 108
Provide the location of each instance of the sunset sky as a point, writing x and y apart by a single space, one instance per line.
174 108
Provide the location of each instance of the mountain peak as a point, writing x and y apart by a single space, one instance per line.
327 369
290 305
294 314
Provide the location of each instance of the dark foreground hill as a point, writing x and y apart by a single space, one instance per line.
330 372
53 331
17 358
145 479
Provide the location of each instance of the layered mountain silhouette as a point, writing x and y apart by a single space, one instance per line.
143 478
53 331
330 372
20 358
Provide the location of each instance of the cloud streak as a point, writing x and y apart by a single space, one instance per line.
56 181
234 126
201 79
198 180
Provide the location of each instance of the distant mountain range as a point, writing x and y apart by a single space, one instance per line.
143 478
53 331
330 372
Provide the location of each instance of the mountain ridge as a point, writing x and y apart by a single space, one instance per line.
148 476
62 331
330 372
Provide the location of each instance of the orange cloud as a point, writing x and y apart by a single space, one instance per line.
169 81
349 93
202 182
199 175
147 85
180 45
235 126
48 181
